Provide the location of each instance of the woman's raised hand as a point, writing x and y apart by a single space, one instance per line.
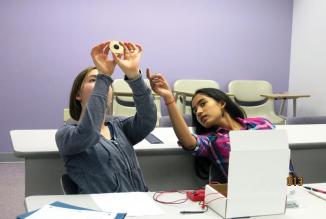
101 59
160 86
129 61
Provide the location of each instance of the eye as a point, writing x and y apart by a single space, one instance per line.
194 110
202 104
92 80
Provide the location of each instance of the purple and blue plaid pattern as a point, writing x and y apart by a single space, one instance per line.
216 145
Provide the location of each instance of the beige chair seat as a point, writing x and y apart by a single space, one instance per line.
190 86
247 94
123 105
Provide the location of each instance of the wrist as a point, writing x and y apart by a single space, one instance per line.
133 74
105 73
169 100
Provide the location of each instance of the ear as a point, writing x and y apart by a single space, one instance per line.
78 97
223 104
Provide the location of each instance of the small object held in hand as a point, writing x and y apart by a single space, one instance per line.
116 48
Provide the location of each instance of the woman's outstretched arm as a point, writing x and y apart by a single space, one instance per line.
160 86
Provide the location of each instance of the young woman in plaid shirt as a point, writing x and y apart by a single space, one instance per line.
214 115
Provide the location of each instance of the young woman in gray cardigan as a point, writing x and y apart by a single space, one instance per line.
98 153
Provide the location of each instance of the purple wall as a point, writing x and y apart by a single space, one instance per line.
44 44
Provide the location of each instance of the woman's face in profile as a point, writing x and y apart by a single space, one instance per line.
87 87
207 110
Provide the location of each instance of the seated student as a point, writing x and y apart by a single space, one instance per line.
214 115
98 153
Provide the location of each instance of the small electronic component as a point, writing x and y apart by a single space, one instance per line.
197 195
116 48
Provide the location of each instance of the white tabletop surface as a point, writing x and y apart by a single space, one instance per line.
39 141
304 134
309 205
171 211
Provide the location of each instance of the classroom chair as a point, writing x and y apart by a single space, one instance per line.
68 186
66 114
247 94
184 88
123 102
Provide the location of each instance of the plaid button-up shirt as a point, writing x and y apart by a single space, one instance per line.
216 145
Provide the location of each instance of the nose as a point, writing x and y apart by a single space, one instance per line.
199 111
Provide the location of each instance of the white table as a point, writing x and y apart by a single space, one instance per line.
171 211
309 205
44 167
285 96
305 136
31 142
38 141
43 163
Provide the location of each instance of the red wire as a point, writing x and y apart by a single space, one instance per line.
204 204
178 201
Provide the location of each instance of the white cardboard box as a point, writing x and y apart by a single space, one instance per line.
258 168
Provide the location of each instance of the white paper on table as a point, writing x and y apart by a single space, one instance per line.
132 203
53 212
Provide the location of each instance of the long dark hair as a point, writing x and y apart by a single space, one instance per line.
202 165
232 108
75 107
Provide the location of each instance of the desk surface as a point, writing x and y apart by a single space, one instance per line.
284 96
43 141
189 94
130 94
171 211
309 205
